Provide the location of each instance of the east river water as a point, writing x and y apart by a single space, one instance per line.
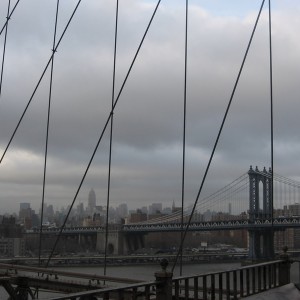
146 272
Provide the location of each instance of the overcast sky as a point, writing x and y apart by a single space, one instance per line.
148 119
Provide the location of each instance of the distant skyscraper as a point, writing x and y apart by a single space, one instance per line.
80 209
25 210
154 208
122 210
24 206
92 200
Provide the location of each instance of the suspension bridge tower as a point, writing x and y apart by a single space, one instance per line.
261 240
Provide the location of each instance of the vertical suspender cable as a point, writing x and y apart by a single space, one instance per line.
4 46
103 131
111 134
271 108
47 132
184 129
218 135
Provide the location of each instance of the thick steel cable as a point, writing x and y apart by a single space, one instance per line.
286 180
219 134
281 178
39 81
111 137
47 131
12 11
271 110
103 131
4 47
184 126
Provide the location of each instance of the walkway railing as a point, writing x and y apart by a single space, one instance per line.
232 284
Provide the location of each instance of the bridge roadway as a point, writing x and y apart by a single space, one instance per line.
278 223
13 272
124 259
54 279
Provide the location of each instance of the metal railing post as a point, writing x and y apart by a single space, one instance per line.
164 282
284 268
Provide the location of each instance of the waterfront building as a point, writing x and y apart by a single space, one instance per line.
138 216
12 247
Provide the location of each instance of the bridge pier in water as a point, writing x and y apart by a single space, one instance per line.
261 241
261 244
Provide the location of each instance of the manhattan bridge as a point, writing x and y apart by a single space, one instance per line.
259 201
245 204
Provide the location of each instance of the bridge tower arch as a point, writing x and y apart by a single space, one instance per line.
261 241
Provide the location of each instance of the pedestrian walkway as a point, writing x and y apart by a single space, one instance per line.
285 292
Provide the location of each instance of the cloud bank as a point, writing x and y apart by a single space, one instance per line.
148 119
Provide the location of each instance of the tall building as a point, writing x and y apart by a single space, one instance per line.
26 214
12 242
154 208
80 209
24 205
137 217
122 210
92 201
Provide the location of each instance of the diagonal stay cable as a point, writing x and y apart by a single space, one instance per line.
102 133
280 178
47 131
7 19
218 136
4 47
286 180
40 79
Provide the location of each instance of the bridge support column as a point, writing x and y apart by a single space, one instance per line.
268 244
254 245
261 240
115 240
261 244
134 241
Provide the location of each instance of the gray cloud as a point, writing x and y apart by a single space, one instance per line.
147 149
